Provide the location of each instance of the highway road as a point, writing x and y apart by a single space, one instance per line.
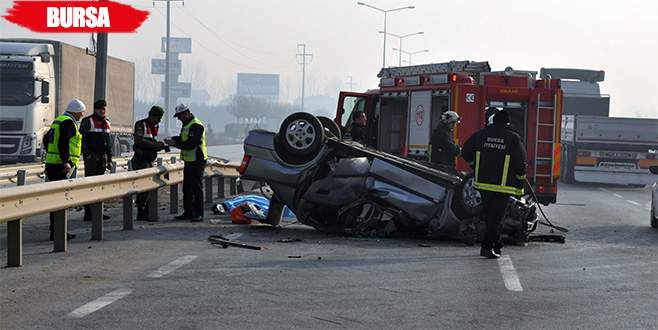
167 276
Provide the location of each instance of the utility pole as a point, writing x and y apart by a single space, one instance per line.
351 79
303 55
100 78
167 99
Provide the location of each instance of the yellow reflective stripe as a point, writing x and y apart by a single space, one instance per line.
498 188
521 177
505 170
477 164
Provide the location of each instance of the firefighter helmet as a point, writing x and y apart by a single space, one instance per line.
450 117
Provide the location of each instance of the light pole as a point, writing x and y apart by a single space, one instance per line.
411 53
401 37
385 11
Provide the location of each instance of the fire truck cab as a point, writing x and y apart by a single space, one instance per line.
406 108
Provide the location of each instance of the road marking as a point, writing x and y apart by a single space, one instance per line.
99 303
512 282
633 202
170 267
618 195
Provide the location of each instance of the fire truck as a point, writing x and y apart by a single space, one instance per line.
408 105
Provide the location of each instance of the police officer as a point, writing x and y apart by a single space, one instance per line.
63 146
498 157
146 149
96 145
192 142
443 148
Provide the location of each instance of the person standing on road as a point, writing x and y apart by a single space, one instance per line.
192 143
358 128
63 146
96 145
498 156
146 149
443 149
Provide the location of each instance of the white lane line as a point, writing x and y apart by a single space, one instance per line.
99 303
618 195
512 282
170 267
633 202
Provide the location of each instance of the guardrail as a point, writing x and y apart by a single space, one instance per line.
17 203
35 171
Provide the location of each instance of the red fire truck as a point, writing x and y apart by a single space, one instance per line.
406 108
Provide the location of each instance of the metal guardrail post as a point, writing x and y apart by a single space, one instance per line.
234 186
59 231
15 233
173 194
113 168
96 221
221 187
208 186
128 206
130 165
153 200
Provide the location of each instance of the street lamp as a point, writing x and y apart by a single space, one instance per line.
385 11
411 53
401 37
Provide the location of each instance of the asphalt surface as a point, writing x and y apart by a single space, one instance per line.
167 276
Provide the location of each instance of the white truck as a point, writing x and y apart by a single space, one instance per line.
609 150
39 77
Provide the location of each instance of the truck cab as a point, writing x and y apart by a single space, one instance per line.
406 109
26 99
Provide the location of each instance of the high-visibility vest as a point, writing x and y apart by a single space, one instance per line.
191 155
75 143
504 186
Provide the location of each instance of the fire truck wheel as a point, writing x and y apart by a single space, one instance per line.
301 134
331 126
468 201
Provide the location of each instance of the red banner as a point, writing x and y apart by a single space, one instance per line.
76 16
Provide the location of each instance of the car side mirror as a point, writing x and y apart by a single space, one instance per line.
653 169
45 88
45 99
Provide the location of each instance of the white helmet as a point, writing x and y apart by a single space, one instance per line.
180 109
76 106
450 117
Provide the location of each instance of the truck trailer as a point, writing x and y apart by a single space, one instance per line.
37 80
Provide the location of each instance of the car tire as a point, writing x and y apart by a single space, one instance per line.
330 126
467 201
301 134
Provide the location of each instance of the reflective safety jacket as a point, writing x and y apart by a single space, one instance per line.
146 141
498 156
75 143
197 152
96 137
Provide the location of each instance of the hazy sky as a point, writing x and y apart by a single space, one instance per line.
261 36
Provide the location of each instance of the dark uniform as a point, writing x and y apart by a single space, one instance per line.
146 149
192 142
63 143
498 157
443 149
96 146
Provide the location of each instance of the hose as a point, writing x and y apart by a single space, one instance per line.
548 222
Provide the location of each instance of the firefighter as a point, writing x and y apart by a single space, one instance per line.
443 148
498 156
96 145
146 149
358 127
192 143
63 146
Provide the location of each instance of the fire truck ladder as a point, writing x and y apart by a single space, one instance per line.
543 159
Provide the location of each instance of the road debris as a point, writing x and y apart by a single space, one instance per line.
289 240
218 240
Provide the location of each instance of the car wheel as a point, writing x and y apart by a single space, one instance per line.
330 126
468 199
301 134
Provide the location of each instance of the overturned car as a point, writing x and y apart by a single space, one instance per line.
340 186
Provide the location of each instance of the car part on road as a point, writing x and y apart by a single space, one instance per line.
548 238
302 134
218 240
